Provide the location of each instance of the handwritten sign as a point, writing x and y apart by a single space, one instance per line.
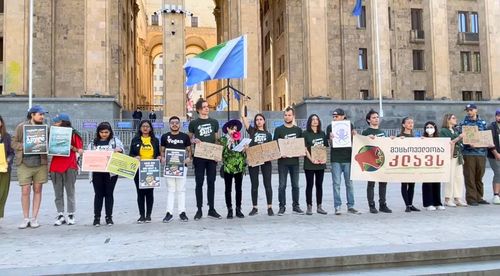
470 134
208 151
341 131
95 160
319 153
294 147
123 165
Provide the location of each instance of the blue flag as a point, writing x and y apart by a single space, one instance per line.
222 104
357 8
236 95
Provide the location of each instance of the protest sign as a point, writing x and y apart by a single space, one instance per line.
95 160
149 174
174 163
341 131
3 159
60 141
35 139
123 165
208 151
319 153
293 147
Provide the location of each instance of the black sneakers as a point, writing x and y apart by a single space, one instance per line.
270 212
148 219
213 214
97 222
254 212
239 213
141 220
109 221
229 213
168 217
384 209
296 209
198 215
183 217
281 211
373 210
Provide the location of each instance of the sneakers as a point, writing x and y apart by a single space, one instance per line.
309 210
450 203
384 209
373 210
338 211
414 209
441 208
229 213
34 223
353 211
496 199
25 224
168 217
239 213
148 219
254 212
281 211
270 212
320 210
141 220
431 208
109 221
297 210
71 219
60 220
97 222
483 202
460 203
183 217
198 215
213 214
473 203
408 209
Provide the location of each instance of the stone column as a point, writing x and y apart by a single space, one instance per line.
15 64
489 34
439 65
173 60
379 19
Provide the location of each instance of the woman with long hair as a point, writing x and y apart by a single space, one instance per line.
5 141
104 183
314 169
431 192
408 189
63 171
259 135
144 146
453 190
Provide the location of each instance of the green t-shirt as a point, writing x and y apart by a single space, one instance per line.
373 131
204 129
283 132
314 139
402 134
339 155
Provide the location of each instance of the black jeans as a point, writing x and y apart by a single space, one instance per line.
200 167
283 171
407 191
266 169
310 177
431 194
104 186
144 197
228 180
382 189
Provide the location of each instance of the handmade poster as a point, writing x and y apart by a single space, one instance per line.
149 174
242 144
254 156
174 163
208 151
60 141
35 139
483 139
123 165
95 160
341 131
270 151
400 160
293 147
470 134
319 153
3 159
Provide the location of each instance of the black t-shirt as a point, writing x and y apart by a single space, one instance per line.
204 129
259 136
103 145
179 141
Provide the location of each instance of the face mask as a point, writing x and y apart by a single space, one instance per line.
430 131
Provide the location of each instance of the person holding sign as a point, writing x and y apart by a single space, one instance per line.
31 168
63 172
431 192
408 189
474 160
6 158
288 165
453 190
494 157
314 168
259 135
144 146
373 131
204 129
175 139
104 183
340 158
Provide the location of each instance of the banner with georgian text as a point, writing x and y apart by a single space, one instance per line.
383 159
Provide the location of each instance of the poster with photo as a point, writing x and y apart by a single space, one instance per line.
149 174
60 141
174 163
35 139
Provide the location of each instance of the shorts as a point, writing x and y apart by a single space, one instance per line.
495 166
28 175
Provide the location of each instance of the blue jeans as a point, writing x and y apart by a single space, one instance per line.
337 170
283 171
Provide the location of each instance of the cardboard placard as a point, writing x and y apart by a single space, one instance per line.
293 147
319 153
470 134
270 151
484 139
254 156
208 151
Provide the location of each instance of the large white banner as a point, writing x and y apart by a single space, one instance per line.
384 159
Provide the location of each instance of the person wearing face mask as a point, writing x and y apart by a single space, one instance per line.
494 157
474 160
431 192
408 189
453 190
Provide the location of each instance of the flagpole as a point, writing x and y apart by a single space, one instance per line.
228 100
30 57
377 43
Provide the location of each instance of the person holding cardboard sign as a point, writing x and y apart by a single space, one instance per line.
6 158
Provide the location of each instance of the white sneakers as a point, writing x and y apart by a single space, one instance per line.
431 208
60 220
441 208
34 223
449 203
25 224
496 199
71 219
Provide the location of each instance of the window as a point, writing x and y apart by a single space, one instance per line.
363 59
468 22
1 6
462 22
160 77
267 42
362 18
282 104
155 19
280 25
419 95
465 62
268 77
467 95
194 21
474 22
391 59
418 60
479 96
477 62
1 49
364 94
416 19
390 17
266 6
281 63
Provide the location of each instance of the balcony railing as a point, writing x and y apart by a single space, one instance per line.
468 38
417 36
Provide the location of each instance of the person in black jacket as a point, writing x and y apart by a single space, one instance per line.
144 146
494 157
137 116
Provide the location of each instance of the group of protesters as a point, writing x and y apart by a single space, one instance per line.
467 166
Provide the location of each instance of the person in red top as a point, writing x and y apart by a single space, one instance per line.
63 171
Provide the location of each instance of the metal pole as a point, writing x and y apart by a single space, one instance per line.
228 101
30 58
377 43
